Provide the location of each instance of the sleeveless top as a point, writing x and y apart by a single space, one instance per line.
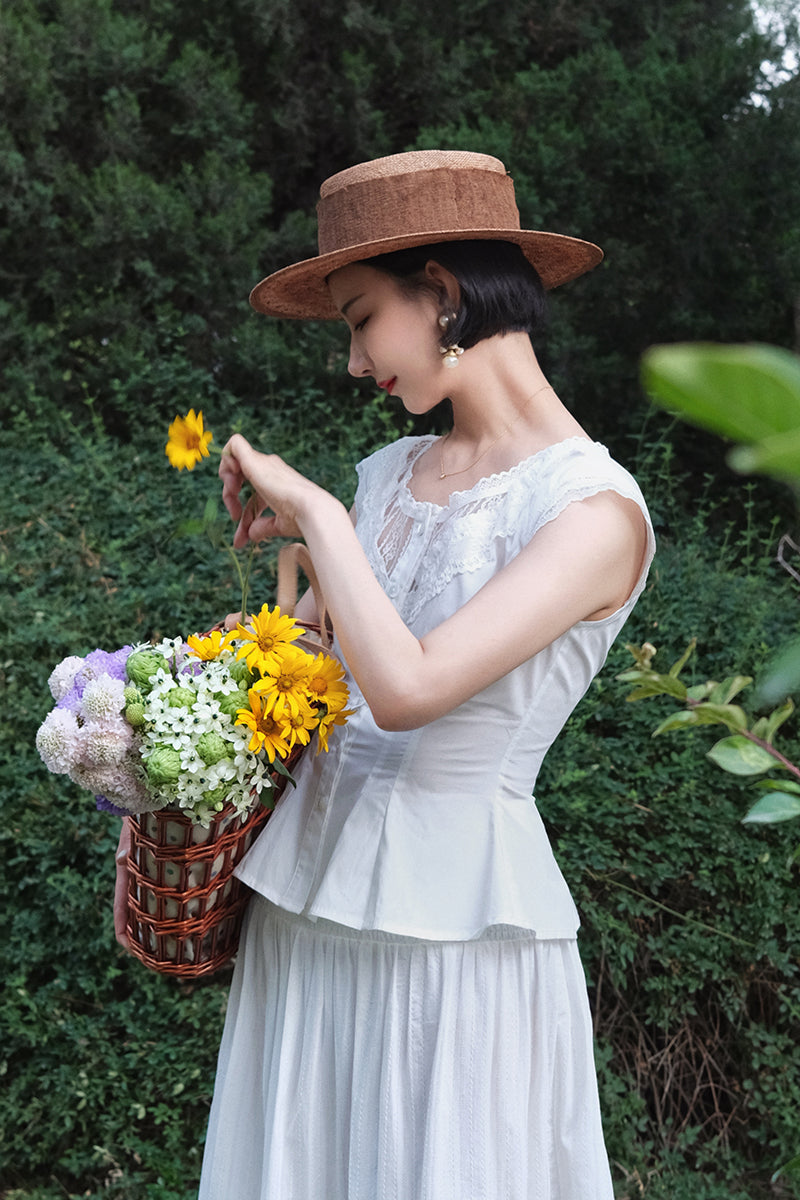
433 832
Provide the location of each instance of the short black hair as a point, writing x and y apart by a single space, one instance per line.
501 291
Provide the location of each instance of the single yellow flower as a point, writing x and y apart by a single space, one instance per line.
332 717
326 682
267 733
209 647
301 724
266 639
188 442
286 688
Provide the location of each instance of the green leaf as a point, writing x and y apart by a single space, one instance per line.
635 674
678 666
774 807
701 691
739 756
747 393
783 676
280 768
792 1166
777 718
657 685
190 527
778 785
677 720
721 714
724 692
211 510
778 455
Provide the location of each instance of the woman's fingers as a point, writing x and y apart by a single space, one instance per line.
276 487
232 476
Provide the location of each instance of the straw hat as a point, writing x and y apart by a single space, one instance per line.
411 200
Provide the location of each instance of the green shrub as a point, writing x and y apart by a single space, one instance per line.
689 918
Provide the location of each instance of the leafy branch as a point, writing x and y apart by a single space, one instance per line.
748 749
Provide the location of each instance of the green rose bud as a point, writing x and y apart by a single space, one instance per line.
142 666
216 796
241 672
181 697
164 765
134 713
212 748
231 703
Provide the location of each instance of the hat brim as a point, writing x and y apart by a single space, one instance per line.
300 291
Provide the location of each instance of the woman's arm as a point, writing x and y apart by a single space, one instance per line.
582 565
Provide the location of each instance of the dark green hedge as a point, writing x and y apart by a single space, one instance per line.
157 158
690 926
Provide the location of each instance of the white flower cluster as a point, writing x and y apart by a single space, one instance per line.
192 746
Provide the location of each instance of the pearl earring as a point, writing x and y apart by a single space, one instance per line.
451 354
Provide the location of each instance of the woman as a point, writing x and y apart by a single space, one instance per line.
408 1017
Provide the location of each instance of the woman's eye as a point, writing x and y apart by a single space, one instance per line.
361 324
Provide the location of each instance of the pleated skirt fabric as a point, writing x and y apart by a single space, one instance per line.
365 1066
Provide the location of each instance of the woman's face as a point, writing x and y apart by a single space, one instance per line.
394 334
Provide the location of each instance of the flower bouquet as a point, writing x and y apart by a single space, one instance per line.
193 742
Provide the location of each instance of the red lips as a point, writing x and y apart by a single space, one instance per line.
387 384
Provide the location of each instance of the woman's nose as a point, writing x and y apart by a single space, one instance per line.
359 363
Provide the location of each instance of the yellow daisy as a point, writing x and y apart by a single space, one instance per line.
301 724
267 733
332 717
266 639
286 689
326 682
209 647
188 442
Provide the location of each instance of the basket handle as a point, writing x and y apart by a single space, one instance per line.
292 559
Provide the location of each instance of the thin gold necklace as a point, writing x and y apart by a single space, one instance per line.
463 470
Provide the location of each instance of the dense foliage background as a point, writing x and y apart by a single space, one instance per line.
156 158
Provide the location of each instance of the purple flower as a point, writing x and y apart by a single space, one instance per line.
100 662
104 805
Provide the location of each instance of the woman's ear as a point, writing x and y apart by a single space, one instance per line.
444 283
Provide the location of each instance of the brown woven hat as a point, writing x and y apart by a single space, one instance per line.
407 200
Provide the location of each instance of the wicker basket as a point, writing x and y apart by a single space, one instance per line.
185 907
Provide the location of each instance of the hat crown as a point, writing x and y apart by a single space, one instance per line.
421 192
405 164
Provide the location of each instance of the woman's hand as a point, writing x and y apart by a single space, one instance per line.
121 888
276 486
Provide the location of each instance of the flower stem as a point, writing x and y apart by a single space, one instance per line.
244 575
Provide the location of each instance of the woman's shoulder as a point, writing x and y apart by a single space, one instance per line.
581 465
564 472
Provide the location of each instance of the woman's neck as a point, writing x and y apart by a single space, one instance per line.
504 396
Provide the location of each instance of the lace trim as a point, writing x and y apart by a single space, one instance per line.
462 537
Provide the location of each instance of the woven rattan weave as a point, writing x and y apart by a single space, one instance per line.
185 907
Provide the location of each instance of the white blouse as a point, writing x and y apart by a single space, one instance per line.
433 832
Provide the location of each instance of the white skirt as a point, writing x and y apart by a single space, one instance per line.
365 1066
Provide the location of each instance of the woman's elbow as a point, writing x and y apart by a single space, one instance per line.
397 713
